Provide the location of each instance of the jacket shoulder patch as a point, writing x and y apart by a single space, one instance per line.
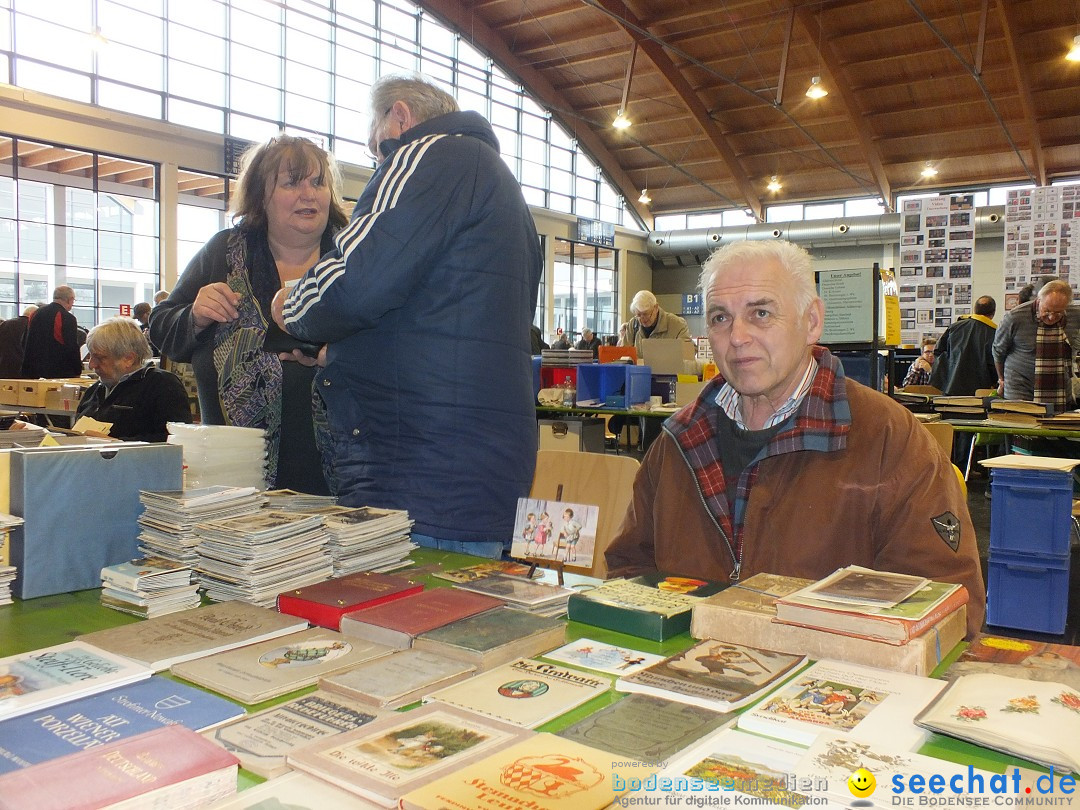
947 527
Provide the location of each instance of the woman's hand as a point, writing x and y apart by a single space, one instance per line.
215 303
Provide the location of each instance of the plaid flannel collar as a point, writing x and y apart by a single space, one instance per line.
730 400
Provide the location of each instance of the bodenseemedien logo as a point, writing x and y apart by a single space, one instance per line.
862 784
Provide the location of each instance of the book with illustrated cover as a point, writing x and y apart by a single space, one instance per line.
262 740
399 679
484 569
295 791
525 692
745 613
326 602
106 717
854 585
397 623
494 637
896 624
146 574
403 751
543 772
1019 658
833 758
648 728
526 594
170 767
40 678
603 657
261 671
750 770
714 675
1036 720
633 607
872 704
159 643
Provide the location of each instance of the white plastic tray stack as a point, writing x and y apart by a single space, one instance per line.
221 454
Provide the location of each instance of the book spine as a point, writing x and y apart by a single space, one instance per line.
321 615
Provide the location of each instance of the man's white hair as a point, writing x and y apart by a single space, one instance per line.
644 301
793 259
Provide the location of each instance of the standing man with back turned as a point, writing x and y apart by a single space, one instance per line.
782 464
52 339
425 305
964 355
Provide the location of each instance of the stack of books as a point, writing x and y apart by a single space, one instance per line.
1018 412
960 407
565 357
369 539
148 587
916 403
7 572
253 558
1070 420
289 500
540 598
168 519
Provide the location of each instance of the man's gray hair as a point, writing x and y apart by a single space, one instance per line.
793 259
63 293
424 98
1057 286
644 301
118 336
30 310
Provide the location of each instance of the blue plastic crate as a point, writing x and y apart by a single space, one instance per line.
536 375
614 384
1030 511
1028 591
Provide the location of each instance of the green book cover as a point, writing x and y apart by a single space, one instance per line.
490 630
634 608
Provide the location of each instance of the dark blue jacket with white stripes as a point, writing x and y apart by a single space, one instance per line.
426 303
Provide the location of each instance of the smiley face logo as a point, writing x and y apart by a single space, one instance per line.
861 783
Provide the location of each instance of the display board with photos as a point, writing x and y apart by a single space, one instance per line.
1040 239
937 253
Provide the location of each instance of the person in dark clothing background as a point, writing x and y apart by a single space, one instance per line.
52 339
12 342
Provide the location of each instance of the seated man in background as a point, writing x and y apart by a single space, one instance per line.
782 464
650 321
919 373
136 398
589 341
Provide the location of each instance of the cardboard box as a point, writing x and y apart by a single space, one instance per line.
9 392
32 392
66 398
577 435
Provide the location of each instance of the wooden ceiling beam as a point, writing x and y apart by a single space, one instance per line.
831 67
693 103
1010 25
76 163
136 176
474 29
34 155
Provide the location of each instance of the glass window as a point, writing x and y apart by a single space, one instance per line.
125 63
824 211
209 119
121 24
713 220
205 15
870 206
53 43
738 216
129 99
255 64
260 28
55 82
188 45
584 288
669 222
784 213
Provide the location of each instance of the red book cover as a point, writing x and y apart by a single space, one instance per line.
326 602
172 764
407 618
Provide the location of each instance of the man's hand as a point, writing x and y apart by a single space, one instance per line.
922 364
215 303
303 359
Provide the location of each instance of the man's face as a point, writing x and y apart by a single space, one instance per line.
928 352
649 316
760 339
1051 308
109 368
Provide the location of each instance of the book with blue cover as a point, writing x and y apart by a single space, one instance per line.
89 722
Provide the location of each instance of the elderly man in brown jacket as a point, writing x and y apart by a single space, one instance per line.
782 464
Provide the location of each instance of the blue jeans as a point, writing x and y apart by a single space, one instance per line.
492 549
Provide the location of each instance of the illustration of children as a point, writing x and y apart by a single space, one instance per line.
543 533
569 535
528 533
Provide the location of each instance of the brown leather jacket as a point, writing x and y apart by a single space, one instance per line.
872 503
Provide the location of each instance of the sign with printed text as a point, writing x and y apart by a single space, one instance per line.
692 304
125 310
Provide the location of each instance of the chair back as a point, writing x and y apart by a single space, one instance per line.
595 479
943 433
920 389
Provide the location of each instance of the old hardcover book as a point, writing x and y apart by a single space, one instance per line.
1021 406
870 704
648 728
714 674
326 602
262 740
397 623
403 751
261 671
1037 720
108 716
295 791
544 772
159 643
897 624
494 637
634 608
525 692
170 767
745 614
399 679
603 657
40 678
1019 658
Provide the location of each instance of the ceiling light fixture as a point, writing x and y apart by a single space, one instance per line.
929 170
644 199
1074 53
774 184
816 90
621 121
